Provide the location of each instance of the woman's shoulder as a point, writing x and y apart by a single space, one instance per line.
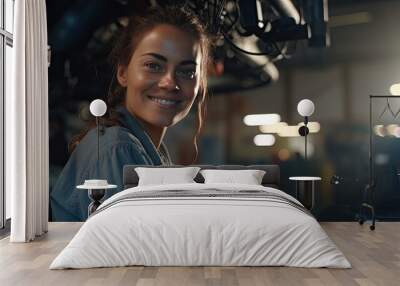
119 134
111 137
115 143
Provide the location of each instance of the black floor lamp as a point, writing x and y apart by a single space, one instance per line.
369 192
98 108
96 187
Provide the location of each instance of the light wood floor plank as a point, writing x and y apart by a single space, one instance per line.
374 255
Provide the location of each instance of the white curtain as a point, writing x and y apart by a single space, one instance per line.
27 156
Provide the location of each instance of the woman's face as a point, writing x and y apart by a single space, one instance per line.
162 78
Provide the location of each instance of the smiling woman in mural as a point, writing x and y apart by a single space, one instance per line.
160 62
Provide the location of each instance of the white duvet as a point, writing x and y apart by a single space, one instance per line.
185 231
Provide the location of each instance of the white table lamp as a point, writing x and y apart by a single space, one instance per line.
305 108
98 107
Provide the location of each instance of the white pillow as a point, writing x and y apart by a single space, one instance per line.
162 176
248 177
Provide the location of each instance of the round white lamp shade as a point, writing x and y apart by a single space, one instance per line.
305 107
98 107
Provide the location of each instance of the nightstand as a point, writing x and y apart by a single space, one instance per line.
305 187
96 191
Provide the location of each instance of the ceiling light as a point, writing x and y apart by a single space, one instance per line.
273 128
391 129
379 130
397 132
264 140
261 119
395 89
289 131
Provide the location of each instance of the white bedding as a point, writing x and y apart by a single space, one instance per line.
182 231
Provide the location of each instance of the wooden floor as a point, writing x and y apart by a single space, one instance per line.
374 255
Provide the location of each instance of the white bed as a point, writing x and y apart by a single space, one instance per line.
225 225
